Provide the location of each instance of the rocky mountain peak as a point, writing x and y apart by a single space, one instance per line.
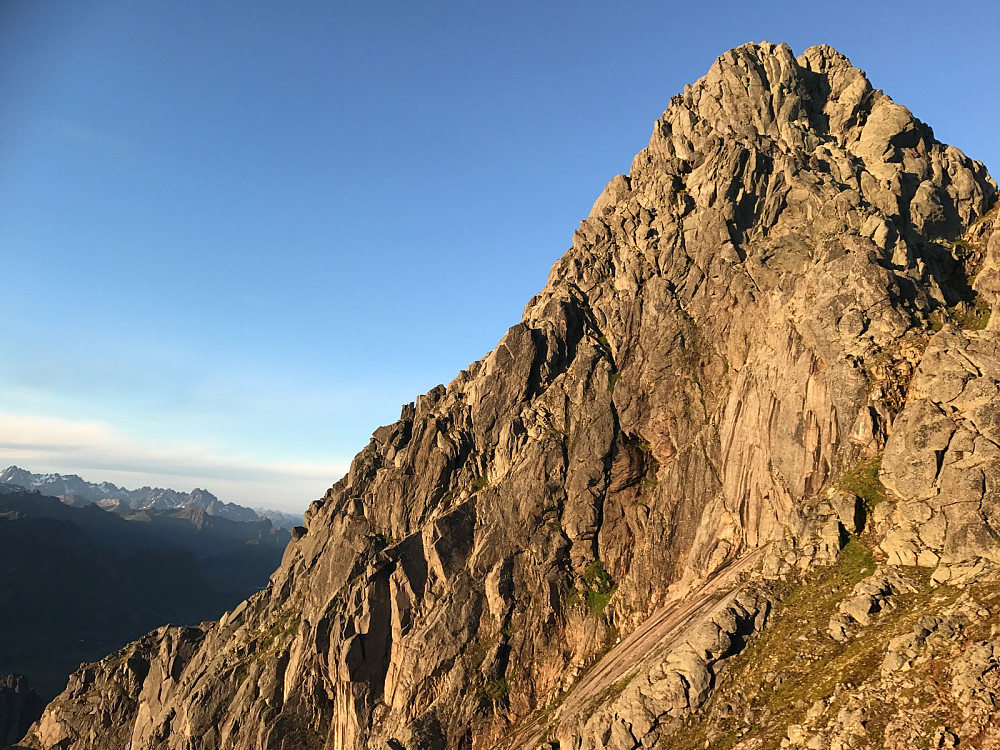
763 95
760 108
764 91
726 346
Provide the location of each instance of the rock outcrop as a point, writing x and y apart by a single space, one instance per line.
942 458
712 369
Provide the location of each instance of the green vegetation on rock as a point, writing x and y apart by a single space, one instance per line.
599 587
973 315
863 481
794 664
594 589
497 690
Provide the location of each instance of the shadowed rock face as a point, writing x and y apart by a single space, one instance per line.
733 328
19 707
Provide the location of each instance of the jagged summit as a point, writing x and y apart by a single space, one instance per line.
764 95
764 91
730 337
762 119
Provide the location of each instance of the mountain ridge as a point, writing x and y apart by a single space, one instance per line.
118 499
717 372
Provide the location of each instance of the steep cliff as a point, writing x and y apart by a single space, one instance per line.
688 419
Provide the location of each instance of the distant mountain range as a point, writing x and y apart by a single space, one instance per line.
79 578
73 490
86 567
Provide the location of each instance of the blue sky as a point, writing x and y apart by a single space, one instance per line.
236 236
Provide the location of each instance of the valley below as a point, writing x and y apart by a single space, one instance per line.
79 582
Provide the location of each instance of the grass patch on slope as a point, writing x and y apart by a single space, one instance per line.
973 315
863 481
794 663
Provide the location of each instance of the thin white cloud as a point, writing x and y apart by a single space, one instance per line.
99 451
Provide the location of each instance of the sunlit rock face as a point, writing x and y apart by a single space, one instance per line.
733 329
